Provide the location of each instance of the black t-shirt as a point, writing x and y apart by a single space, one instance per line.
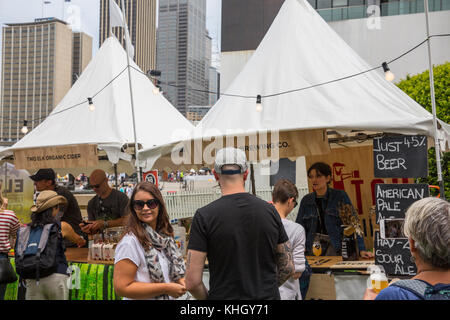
110 208
240 234
71 213
321 220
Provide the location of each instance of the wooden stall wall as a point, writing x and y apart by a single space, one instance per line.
353 171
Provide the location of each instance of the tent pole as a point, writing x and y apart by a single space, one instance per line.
252 176
433 105
131 96
115 176
6 177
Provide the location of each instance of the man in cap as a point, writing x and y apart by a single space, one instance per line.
45 179
107 208
242 236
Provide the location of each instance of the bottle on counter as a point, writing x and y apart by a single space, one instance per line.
106 253
97 247
349 247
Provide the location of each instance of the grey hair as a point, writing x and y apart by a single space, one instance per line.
427 222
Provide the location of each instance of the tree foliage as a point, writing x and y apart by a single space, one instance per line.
418 88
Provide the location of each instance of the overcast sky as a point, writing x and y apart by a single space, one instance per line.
88 12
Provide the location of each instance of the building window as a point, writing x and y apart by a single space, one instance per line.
355 2
313 3
323 4
339 3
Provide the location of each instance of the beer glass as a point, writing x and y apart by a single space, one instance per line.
378 279
317 248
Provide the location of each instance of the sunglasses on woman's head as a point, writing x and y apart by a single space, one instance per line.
151 204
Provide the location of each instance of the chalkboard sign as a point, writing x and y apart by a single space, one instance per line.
400 157
392 200
394 256
283 169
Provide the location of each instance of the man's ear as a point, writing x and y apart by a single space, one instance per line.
245 175
215 174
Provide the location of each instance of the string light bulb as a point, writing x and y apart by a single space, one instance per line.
91 105
258 103
24 129
388 75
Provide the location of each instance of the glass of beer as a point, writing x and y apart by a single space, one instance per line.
317 249
378 282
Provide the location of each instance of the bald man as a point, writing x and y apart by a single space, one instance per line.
108 208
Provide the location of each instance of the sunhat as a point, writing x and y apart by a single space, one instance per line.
47 199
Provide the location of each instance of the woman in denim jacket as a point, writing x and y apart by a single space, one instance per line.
323 225
325 221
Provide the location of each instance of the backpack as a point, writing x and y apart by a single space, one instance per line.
423 290
36 250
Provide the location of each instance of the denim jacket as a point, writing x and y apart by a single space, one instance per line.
308 218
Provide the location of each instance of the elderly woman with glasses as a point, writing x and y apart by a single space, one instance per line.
427 226
148 263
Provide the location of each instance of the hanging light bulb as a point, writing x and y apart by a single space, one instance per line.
24 129
258 103
388 75
91 105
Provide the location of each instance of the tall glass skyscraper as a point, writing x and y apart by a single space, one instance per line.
141 21
181 52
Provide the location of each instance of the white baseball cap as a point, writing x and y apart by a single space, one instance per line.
230 156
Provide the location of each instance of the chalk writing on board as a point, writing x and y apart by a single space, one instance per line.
394 256
392 200
400 157
381 145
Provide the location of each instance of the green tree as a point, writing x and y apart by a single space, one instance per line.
418 88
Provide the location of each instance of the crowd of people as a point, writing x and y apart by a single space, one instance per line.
253 251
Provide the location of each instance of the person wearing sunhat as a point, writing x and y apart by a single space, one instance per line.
47 211
45 179
50 199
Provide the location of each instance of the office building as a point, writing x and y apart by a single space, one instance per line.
141 21
181 52
214 86
82 53
37 72
378 30
196 113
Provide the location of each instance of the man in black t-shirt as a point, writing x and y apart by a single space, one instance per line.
108 208
242 236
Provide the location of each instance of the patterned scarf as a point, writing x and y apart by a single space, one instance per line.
167 246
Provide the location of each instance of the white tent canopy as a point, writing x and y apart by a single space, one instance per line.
110 125
301 50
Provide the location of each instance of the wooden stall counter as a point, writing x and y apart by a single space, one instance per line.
335 279
336 263
81 255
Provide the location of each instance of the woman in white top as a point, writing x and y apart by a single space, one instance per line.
148 263
284 198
